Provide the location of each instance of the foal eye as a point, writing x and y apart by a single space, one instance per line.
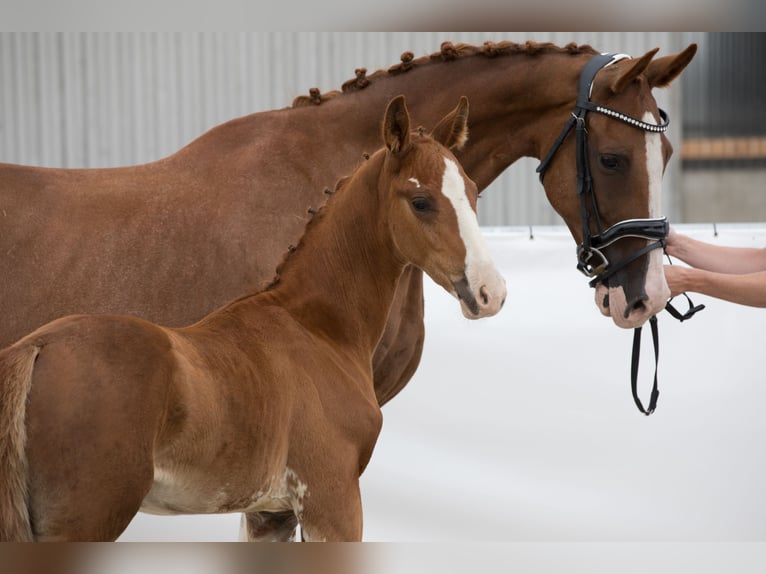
610 162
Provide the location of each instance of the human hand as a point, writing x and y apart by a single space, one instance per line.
677 277
671 240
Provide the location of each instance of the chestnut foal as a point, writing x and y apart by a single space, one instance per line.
266 406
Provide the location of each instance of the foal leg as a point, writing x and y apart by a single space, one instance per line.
268 526
93 416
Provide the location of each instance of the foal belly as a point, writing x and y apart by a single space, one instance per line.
183 493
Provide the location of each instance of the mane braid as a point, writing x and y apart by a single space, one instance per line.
317 215
447 53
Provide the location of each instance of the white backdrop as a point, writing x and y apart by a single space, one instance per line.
521 427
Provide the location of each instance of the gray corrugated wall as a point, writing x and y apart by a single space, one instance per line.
108 99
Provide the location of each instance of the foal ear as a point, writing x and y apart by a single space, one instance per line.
396 126
634 71
662 71
452 129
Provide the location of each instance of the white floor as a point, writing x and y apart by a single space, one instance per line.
522 427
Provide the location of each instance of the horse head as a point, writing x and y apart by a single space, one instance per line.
614 148
432 209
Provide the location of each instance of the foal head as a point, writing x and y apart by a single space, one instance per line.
431 207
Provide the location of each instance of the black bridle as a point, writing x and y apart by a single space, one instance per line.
591 259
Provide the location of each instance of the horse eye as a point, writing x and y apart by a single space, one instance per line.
421 204
610 162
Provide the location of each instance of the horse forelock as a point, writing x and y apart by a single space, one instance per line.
448 52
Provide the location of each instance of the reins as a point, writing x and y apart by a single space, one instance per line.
676 314
591 260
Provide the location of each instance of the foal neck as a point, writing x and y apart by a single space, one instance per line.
340 279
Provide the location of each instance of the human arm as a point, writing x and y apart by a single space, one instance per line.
717 258
742 288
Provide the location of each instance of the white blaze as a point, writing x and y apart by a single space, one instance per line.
453 186
654 167
485 282
656 285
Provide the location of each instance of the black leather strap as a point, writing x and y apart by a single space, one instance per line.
689 313
634 367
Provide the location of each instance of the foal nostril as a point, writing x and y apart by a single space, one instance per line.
484 295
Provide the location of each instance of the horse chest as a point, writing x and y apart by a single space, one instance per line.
184 492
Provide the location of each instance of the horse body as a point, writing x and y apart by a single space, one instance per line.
171 240
266 406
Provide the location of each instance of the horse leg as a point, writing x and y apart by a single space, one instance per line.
333 516
268 526
400 347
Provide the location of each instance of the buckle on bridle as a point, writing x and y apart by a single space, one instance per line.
584 265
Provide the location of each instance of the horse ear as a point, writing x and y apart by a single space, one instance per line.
634 70
396 126
452 129
662 71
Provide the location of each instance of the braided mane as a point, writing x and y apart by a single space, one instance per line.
448 52
316 216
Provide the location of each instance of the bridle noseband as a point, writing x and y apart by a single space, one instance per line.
591 260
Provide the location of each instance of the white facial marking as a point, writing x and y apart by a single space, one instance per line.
655 286
484 281
453 187
415 181
654 167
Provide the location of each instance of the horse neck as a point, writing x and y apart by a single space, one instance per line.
340 280
518 103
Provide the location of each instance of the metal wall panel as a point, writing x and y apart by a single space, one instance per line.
109 99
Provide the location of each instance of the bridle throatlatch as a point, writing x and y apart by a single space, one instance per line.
591 259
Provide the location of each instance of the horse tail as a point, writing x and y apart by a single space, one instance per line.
16 364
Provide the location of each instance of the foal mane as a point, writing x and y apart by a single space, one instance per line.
447 53
316 216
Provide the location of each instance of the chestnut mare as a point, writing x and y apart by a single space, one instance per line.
173 239
267 405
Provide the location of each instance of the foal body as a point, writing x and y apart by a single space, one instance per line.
267 406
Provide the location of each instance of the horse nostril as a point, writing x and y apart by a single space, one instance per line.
638 306
605 303
484 296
